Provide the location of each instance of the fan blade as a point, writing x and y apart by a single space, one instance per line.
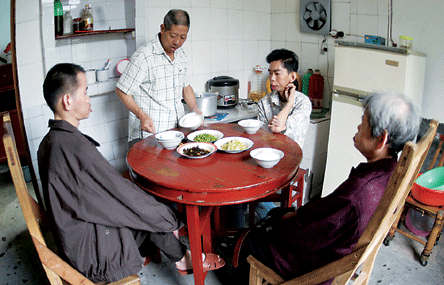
315 25
319 7
307 15
311 24
310 7
323 16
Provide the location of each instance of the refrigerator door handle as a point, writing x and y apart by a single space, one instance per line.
347 97
349 94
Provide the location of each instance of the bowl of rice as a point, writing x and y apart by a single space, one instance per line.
267 157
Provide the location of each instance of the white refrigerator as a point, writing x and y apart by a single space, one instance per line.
362 69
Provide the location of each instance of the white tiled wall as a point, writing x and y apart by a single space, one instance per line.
227 37
93 51
38 51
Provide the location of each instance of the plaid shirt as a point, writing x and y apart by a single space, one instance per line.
298 119
156 84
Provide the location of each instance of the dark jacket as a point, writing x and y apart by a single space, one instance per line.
94 209
326 229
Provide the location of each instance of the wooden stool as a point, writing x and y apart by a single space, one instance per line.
436 212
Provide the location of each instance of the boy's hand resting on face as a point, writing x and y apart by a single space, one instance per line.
278 123
289 93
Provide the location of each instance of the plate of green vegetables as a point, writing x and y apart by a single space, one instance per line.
210 136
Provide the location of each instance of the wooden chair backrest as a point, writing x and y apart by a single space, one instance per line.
400 183
56 268
437 152
364 253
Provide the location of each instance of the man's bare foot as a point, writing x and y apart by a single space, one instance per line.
211 261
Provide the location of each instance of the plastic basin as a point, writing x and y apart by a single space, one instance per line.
429 187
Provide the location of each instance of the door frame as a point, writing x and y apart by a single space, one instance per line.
19 105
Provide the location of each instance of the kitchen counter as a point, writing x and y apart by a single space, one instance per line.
234 114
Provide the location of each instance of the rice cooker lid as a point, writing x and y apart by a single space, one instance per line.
223 81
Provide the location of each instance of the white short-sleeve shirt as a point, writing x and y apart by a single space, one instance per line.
156 84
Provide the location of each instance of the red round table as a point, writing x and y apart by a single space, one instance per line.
217 180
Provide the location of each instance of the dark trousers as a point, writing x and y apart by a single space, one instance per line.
166 242
257 244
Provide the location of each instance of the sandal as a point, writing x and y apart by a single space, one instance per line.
212 262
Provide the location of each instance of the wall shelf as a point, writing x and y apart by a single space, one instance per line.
97 32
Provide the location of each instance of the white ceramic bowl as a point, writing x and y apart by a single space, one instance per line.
192 136
251 126
221 142
266 157
191 121
170 139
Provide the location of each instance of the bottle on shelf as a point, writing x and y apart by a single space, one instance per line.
87 19
58 18
316 90
77 24
256 85
306 81
67 24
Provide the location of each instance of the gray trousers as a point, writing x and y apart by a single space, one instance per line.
149 243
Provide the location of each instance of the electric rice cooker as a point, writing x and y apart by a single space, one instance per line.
227 89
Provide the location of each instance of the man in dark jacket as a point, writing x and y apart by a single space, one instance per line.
103 223
327 229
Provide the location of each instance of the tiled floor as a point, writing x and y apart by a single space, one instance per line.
19 264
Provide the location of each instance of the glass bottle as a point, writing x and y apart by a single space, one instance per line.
67 24
58 18
256 85
87 18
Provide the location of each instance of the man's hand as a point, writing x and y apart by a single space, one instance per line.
196 110
146 123
289 93
276 125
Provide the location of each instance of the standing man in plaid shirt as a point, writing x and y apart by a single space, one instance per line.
156 80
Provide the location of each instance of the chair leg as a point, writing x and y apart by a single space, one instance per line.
431 240
297 190
394 227
300 189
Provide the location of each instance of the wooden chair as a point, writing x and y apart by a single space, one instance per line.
58 271
364 253
436 212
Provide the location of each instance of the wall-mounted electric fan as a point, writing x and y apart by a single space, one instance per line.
315 16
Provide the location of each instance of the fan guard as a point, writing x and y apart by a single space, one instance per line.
315 16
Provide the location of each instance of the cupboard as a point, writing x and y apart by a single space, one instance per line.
7 104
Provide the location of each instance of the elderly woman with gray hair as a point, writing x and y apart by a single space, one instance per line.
296 242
